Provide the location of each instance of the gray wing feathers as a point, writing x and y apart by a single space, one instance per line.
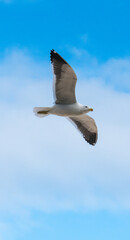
87 126
64 80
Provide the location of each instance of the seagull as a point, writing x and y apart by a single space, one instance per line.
64 83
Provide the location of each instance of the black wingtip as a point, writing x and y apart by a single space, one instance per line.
92 139
52 55
56 56
52 51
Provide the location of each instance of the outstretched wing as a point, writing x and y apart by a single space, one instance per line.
64 80
87 126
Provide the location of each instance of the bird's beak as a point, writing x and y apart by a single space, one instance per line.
91 109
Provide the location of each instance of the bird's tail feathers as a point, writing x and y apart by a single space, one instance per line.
41 111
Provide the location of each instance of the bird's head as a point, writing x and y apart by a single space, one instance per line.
87 109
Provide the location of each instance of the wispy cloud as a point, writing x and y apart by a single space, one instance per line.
84 38
18 1
50 166
6 1
115 72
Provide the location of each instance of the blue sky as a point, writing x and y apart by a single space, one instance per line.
56 186
39 25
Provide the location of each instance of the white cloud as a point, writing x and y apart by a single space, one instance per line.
114 72
45 163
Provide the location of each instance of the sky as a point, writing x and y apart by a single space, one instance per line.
53 184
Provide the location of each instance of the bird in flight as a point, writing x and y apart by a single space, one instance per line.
64 83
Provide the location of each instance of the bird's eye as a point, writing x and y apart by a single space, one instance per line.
86 106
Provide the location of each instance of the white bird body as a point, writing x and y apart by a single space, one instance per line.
66 110
63 110
65 101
